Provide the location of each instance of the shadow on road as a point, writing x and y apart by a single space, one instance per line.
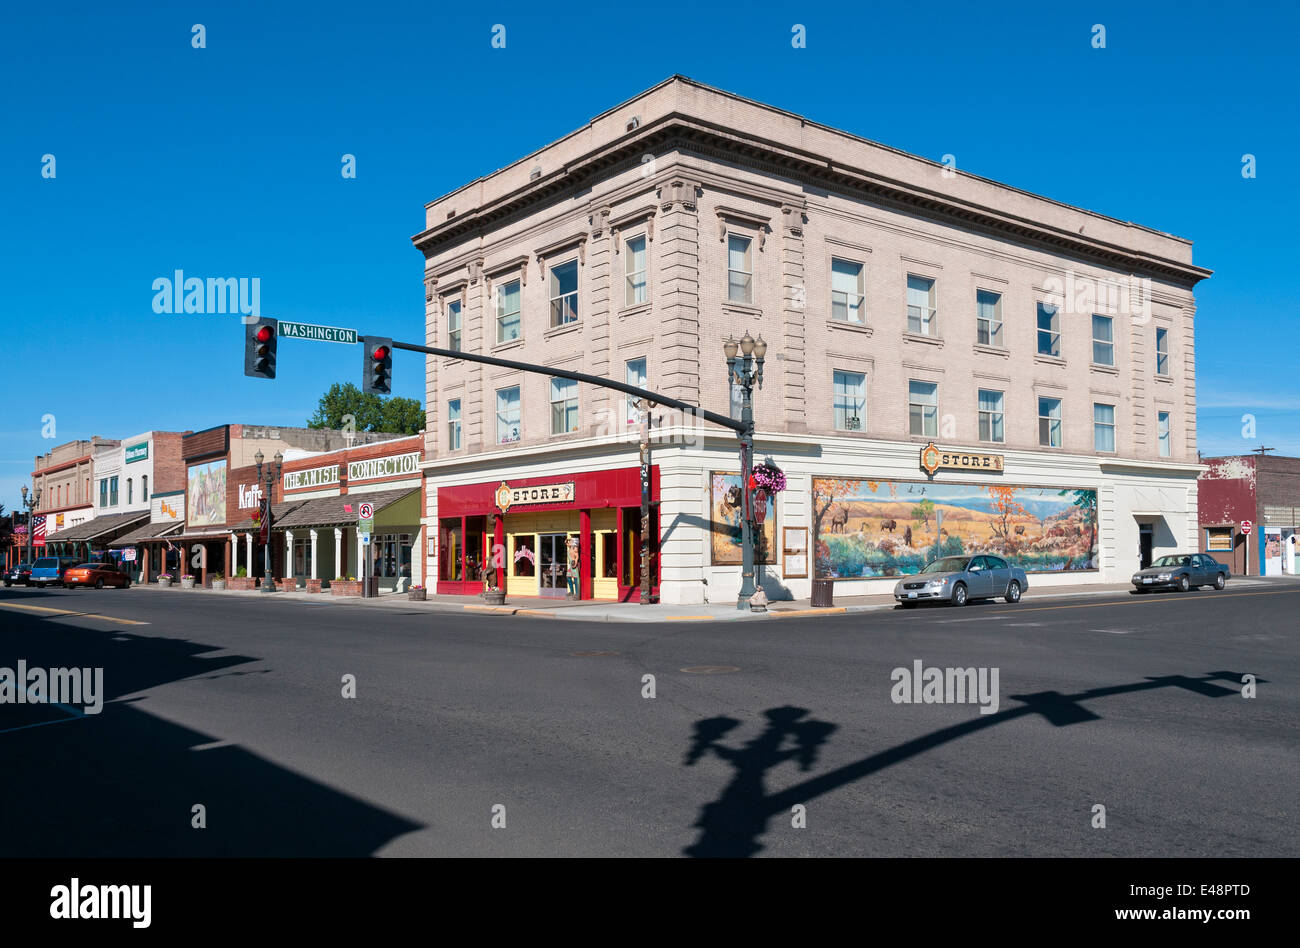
732 825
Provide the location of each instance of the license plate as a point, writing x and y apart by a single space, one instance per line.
1147 579
911 595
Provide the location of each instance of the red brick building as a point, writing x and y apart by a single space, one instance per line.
1259 488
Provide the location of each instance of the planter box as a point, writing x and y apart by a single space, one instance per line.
345 587
165 583
315 585
417 595
494 597
219 585
187 582
240 583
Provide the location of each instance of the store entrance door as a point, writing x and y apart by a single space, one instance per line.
552 557
1146 539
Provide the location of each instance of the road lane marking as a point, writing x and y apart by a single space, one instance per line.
66 613
1136 600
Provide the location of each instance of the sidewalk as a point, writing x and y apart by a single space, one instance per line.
537 607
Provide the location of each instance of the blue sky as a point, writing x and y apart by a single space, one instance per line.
225 162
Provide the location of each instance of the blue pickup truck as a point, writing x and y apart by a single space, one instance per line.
49 570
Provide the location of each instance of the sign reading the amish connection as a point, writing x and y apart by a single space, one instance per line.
317 333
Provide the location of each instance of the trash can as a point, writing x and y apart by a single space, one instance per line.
823 593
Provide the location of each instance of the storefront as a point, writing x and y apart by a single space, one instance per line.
91 540
522 528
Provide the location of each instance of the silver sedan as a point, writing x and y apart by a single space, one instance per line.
959 579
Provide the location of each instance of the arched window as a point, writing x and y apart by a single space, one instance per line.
129 491
144 486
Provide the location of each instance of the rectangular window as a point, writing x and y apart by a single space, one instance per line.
564 294
130 491
990 415
920 305
1049 330
1103 427
112 491
850 401
1162 432
453 425
103 492
453 325
508 415
509 302
1049 422
635 263
988 318
1103 340
923 408
636 376
564 406
144 487
1162 351
740 269
846 291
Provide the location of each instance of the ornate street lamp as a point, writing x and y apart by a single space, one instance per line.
31 503
746 371
272 475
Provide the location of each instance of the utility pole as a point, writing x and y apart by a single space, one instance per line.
746 370
645 407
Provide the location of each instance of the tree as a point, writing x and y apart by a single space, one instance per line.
824 492
924 510
367 412
1086 501
1005 506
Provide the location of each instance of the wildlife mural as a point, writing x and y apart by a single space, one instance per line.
865 528
725 516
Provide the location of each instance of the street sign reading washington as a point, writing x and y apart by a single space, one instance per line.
317 333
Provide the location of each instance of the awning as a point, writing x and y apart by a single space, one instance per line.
98 527
329 512
277 511
150 531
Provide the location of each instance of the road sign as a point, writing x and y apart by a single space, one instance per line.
1246 527
129 554
366 520
318 333
365 539
367 511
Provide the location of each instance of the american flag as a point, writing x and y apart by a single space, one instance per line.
38 530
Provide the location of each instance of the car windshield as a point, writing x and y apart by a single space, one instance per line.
1172 561
949 564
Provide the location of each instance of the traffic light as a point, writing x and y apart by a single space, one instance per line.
260 339
377 365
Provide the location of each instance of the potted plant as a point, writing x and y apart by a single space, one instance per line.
345 586
218 582
492 594
417 594
187 581
165 579
241 579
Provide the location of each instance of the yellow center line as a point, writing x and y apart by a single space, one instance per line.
69 612
1136 601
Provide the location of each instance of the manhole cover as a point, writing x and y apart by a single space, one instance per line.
593 654
710 669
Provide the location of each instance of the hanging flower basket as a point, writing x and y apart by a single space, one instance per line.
768 478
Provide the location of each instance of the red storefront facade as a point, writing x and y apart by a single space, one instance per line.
529 520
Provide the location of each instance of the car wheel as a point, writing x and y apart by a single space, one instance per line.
959 595
1183 584
1220 581
99 584
127 584
1013 592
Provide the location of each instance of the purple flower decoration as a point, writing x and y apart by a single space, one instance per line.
769 478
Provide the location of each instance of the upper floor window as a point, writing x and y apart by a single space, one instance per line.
991 415
850 401
923 408
129 491
846 291
112 491
920 305
1049 422
1103 427
635 264
1162 351
1162 433
453 425
740 269
509 303
564 294
453 326
564 406
988 318
1049 330
508 415
103 492
1103 340
636 376
144 487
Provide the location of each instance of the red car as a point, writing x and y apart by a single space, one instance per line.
98 575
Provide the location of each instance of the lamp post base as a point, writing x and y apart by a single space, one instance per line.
267 587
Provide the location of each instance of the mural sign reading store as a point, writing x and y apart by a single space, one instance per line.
395 466
507 496
935 459
866 528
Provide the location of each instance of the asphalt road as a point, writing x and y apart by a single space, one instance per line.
235 704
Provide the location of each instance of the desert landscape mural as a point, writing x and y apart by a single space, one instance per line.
866 528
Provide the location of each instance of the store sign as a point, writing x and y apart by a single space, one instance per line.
508 496
137 452
315 477
394 466
129 554
249 496
934 459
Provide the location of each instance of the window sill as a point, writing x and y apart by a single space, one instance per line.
747 309
510 344
561 330
1167 379
849 327
923 339
1104 369
636 309
992 350
1049 359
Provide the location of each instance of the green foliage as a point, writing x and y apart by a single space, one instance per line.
369 412
924 510
242 571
